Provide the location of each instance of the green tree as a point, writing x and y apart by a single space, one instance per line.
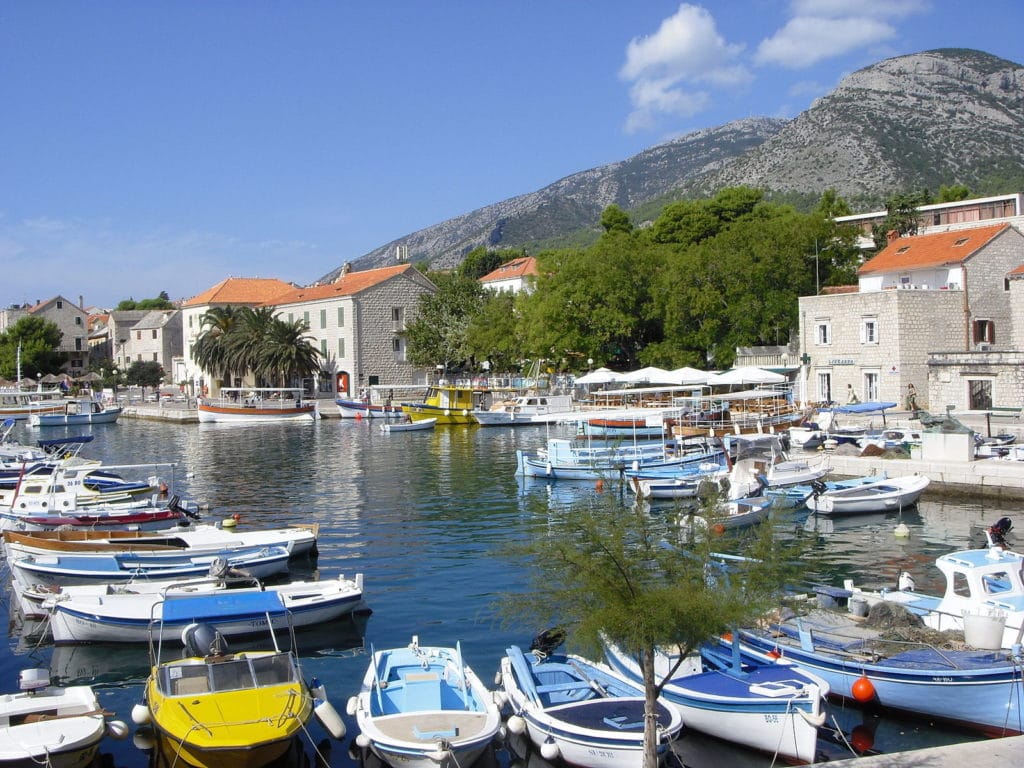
439 333
493 332
39 341
603 569
902 216
614 219
481 261
595 303
287 353
831 205
953 193
162 301
145 373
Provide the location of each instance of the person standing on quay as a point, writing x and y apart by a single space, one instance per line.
911 397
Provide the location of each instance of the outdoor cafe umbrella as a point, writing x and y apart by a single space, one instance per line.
49 379
600 376
90 376
747 375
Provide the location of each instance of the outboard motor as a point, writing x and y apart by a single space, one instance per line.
547 641
996 533
203 640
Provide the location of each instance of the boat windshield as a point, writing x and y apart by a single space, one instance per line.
229 673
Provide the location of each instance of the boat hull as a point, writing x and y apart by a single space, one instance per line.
984 693
357 409
883 496
69 742
239 414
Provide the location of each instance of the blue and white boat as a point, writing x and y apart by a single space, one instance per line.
361 409
424 707
974 688
127 617
564 459
768 707
77 412
60 569
582 711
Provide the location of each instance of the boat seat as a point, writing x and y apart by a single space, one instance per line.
437 733
422 691
557 687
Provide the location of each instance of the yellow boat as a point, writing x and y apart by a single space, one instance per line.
450 404
216 709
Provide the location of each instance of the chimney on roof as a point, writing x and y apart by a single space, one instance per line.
81 301
346 268
891 235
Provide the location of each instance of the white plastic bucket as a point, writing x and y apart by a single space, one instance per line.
984 631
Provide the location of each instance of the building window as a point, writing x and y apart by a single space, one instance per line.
154 333
823 333
397 315
869 330
399 349
138 335
871 385
156 357
305 318
291 318
323 318
341 317
60 305
1006 284
190 321
341 348
984 332
78 319
979 394
825 386
323 347
78 344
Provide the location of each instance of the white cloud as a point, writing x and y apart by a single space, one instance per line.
667 67
823 29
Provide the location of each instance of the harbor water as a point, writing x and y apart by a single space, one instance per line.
427 517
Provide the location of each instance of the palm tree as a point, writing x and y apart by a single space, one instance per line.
248 339
287 353
212 350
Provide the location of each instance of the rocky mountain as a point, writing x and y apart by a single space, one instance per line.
911 122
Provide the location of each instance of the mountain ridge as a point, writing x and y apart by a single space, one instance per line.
909 122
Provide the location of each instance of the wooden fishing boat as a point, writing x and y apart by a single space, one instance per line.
76 412
582 711
360 409
257 404
891 493
408 426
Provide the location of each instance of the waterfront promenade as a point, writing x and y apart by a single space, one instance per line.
994 753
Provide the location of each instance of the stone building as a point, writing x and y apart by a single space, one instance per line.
356 322
927 309
156 337
70 318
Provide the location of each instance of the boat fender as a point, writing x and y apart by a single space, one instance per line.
549 750
447 412
143 740
516 725
352 706
816 721
140 714
863 690
363 741
465 412
500 698
329 718
502 733
497 678
117 729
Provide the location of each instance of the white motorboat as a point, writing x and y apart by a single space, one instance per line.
408 426
885 495
127 618
51 726
525 409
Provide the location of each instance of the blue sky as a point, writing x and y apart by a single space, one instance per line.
163 146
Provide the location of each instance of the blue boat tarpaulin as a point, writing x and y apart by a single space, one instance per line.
870 406
222 605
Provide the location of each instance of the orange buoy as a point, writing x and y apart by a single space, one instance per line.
861 738
599 485
863 690
718 529
774 654
727 637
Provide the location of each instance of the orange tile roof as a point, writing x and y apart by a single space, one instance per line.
526 265
347 284
935 250
241 290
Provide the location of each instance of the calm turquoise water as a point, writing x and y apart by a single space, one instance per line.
427 517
